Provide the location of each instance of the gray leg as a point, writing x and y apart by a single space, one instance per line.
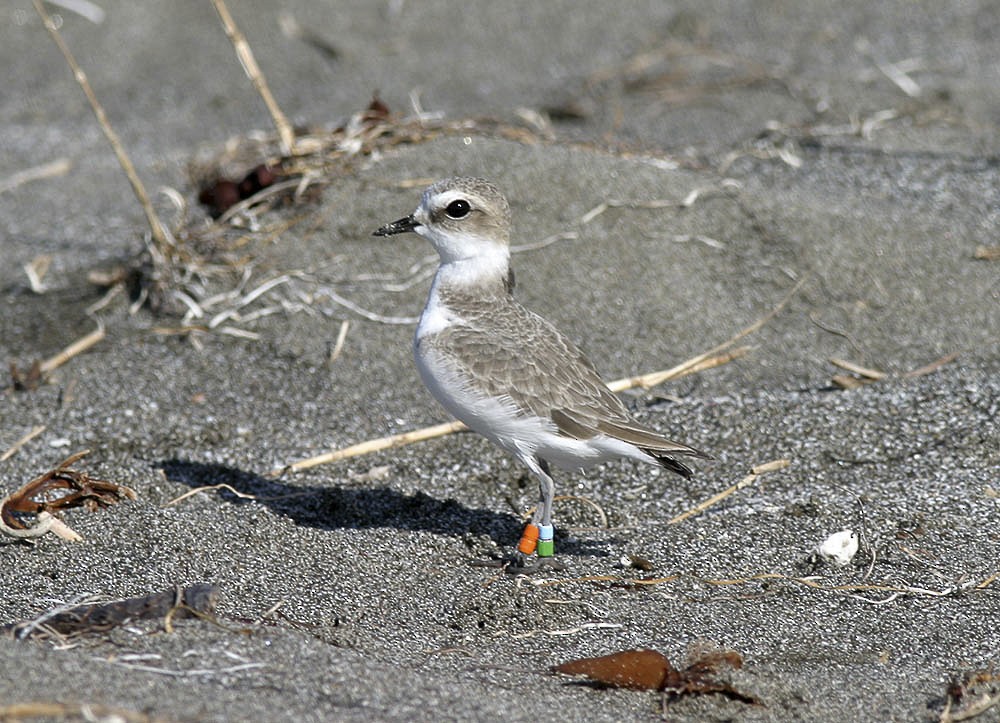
540 527
546 489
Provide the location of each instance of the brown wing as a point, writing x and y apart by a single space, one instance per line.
513 352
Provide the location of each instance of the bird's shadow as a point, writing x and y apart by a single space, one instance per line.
358 507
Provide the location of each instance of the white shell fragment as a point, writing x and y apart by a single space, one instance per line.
839 548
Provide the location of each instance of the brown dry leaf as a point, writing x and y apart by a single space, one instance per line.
59 489
645 669
641 669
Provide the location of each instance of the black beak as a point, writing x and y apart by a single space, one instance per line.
401 226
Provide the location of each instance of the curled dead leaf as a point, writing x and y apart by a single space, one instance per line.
645 669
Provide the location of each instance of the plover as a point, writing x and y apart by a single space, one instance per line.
506 372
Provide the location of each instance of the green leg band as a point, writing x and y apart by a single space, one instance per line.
546 548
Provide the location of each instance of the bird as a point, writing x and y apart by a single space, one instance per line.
505 371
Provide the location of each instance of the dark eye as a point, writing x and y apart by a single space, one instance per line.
458 209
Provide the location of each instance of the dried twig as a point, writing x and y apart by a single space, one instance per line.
36 270
160 235
755 472
851 590
699 363
285 131
12 450
77 347
728 185
869 376
58 167
373 445
338 345
242 495
932 367
872 374
963 689
73 711
974 709
37 373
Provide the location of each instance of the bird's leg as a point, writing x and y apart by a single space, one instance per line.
546 489
537 535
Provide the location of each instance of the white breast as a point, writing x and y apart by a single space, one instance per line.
499 420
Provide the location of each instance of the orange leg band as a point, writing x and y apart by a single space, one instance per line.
529 539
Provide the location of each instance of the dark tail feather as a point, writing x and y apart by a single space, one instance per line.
670 463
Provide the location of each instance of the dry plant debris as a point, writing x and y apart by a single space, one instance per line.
755 472
38 372
193 601
857 591
970 695
645 669
87 712
159 233
58 167
861 376
58 489
13 449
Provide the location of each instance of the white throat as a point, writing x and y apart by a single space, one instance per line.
468 261
483 270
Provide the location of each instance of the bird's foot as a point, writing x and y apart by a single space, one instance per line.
526 565
535 538
521 564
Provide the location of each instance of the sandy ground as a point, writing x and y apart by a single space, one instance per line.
852 145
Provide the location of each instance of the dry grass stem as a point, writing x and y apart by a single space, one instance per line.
233 490
897 72
59 167
972 710
873 374
84 8
363 312
852 590
35 270
703 363
755 472
373 445
338 346
725 187
160 235
932 367
245 55
587 501
13 449
870 376
814 318
73 711
57 527
77 347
